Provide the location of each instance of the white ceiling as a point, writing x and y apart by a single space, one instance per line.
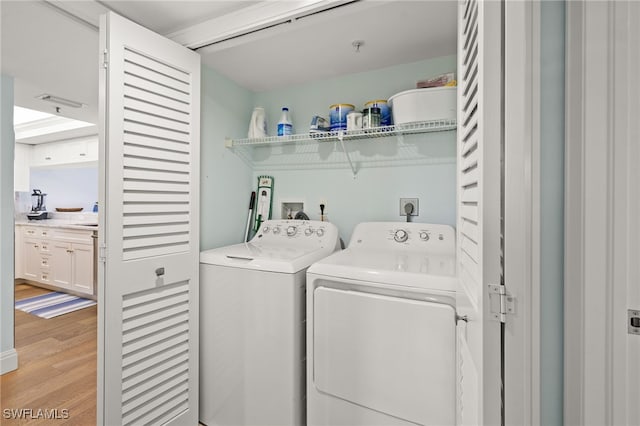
52 46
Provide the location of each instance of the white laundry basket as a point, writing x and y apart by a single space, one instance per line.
424 104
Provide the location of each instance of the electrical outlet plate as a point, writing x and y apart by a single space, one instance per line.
404 202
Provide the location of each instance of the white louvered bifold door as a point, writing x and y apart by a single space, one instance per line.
479 188
148 234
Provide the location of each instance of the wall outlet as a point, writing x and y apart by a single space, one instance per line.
410 206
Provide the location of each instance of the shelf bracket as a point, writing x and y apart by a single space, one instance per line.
344 149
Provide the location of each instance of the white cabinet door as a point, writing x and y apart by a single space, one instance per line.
21 167
82 268
72 262
92 149
31 259
70 151
77 150
61 264
42 155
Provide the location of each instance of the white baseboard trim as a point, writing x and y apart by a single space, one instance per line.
8 361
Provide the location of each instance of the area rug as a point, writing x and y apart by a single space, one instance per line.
54 304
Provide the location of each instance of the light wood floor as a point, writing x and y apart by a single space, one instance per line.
57 365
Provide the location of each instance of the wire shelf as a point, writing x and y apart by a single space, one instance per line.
376 132
246 148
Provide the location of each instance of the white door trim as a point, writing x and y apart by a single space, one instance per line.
8 360
601 205
522 212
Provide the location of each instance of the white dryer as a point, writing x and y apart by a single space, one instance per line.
381 328
252 313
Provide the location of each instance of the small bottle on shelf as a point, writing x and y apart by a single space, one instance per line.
285 127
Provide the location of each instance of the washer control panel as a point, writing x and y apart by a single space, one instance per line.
293 231
419 236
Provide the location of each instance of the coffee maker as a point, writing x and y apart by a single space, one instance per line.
38 209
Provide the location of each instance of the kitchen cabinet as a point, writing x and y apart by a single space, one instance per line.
313 146
72 263
72 266
21 167
35 255
42 155
58 257
73 151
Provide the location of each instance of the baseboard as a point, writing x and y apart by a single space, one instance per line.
8 361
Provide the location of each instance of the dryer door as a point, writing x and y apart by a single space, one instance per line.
388 354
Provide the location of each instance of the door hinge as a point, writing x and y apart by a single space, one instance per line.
105 58
502 304
102 253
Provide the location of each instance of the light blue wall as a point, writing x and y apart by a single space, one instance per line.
7 146
374 194
305 101
225 180
67 187
552 211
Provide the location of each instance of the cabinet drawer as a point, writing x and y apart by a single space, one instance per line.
39 246
73 236
36 231
45 263
45 247
45 277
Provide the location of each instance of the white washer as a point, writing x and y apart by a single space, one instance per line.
252 335
381 328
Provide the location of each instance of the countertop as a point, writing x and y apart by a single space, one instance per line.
59 223
68 220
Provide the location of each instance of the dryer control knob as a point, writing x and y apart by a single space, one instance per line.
308 231
276 230
265 229
291 231
401 236
320 232
424 236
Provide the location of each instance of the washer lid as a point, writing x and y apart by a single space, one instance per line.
286 246
271 258
395 267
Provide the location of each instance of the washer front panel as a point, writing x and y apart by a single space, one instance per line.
388 354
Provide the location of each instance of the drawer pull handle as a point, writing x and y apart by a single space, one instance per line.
159 272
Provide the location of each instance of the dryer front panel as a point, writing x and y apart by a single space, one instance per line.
389 354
